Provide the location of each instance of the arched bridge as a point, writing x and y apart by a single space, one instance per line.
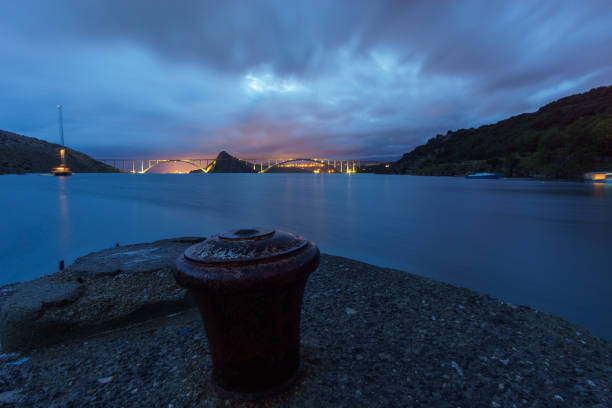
316 165
142 166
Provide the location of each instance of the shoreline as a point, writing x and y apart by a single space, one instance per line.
574 180
370 336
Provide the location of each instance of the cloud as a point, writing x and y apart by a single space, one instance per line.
326 78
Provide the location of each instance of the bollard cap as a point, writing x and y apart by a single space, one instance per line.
245 245
240 258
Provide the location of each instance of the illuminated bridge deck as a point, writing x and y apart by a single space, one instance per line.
316 165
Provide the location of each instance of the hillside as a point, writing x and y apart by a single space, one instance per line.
22 154
561 140
226 163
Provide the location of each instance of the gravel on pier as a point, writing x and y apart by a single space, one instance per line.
370 337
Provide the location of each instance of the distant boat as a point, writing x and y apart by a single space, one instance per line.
483 176
598 177
61 170
58 172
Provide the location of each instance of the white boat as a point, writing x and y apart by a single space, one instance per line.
483 176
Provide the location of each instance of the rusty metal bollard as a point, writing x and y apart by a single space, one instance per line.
248 285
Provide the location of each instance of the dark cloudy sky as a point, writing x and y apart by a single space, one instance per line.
267 78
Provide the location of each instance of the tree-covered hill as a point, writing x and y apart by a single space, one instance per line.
22 154
561 140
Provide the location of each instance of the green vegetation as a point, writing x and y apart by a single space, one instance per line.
561 140
21 154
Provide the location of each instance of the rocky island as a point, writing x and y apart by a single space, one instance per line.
226 163
115 330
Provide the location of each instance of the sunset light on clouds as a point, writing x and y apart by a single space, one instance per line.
319 78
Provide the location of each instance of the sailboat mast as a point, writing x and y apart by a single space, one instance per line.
61 123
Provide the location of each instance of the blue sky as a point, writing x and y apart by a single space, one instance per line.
351 79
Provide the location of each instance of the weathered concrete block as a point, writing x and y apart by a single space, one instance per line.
99 291
21 326
131 258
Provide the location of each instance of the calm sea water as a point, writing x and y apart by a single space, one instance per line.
543 244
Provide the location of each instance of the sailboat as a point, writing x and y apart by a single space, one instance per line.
61 170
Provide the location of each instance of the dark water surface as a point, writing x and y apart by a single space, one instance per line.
543 244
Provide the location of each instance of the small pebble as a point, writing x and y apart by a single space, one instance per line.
8 397
105 380
456 367
19 362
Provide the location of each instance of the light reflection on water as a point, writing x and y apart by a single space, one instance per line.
544 244
65 225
